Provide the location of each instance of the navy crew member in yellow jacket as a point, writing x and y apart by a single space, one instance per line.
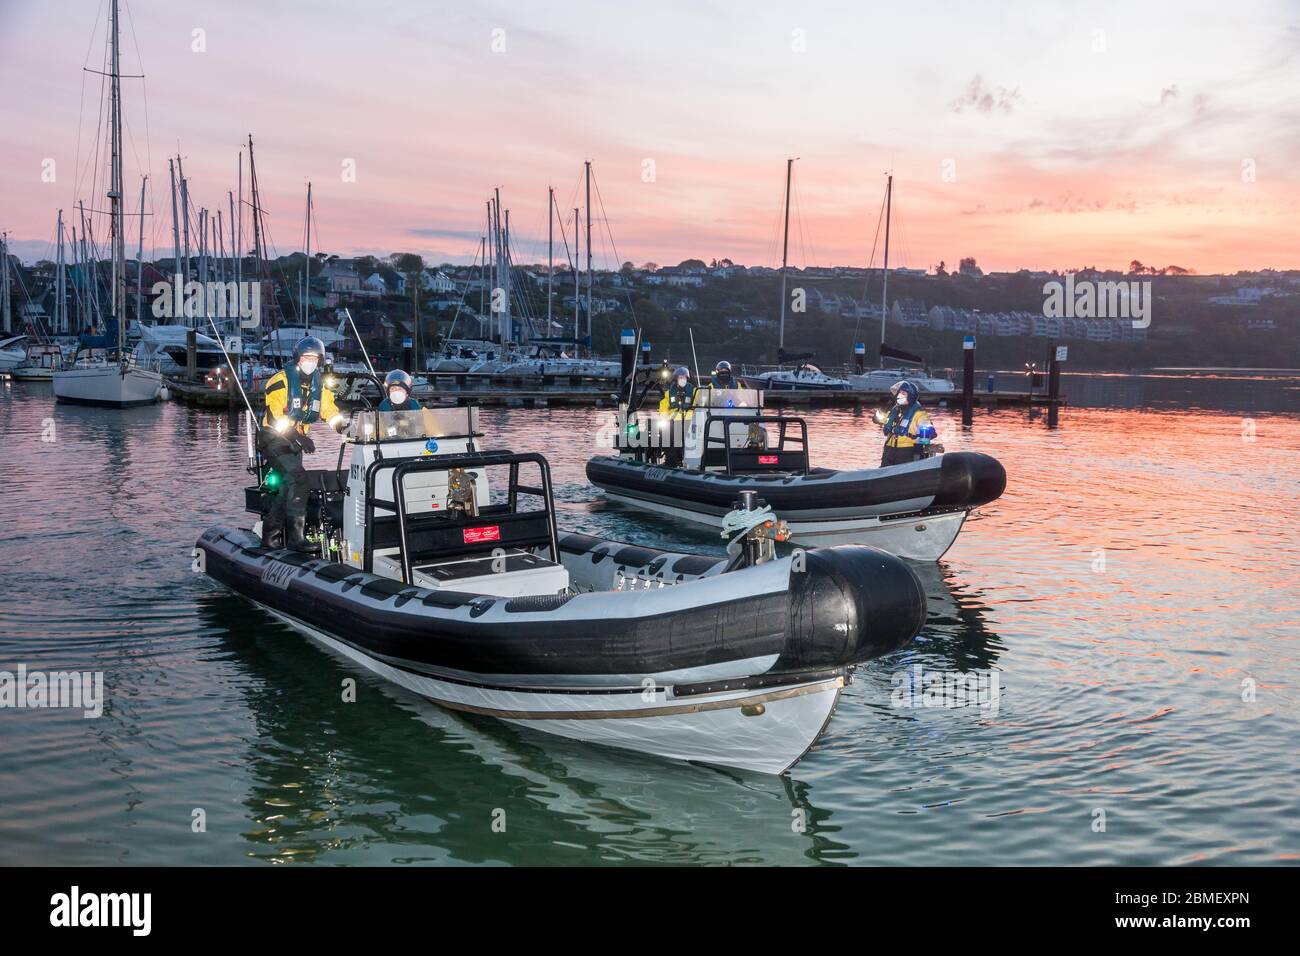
904 428
295 400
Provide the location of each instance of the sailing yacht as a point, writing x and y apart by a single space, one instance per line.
909 366
104 371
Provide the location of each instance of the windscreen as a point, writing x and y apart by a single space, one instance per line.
373 426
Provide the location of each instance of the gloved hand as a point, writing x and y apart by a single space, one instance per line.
304 443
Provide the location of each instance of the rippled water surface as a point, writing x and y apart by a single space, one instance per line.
1136 582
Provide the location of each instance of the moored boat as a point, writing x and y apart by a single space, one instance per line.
42 361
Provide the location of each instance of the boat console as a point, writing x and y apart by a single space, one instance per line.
726 431
415 506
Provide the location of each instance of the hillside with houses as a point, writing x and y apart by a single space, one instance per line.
733 310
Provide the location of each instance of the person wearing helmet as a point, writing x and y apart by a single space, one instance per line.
722 377
295 400
397 392
905 426
675 408
679 395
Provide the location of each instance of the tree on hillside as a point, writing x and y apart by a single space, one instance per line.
968 267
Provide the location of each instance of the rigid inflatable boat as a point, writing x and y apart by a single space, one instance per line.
728 445
467 594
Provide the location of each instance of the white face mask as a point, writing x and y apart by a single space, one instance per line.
681 381
307 366
397 396
902 398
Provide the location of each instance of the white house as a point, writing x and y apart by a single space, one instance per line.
341 275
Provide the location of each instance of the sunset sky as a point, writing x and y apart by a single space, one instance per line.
1039 135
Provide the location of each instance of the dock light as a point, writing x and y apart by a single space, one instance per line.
331 381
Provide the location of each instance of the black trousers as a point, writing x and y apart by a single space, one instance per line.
286 459
898 456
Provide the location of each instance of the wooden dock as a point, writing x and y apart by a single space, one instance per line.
205 396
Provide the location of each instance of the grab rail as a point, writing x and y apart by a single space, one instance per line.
446 463
782 421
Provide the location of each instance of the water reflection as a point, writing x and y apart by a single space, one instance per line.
364 777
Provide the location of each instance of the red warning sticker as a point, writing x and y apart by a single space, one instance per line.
768 459
491 532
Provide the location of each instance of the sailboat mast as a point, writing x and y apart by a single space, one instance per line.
257 239
505 261
488 274
6 309
785 248
61 303
577 294
176 221
550 252
884 289
139 259
237 223
306 279
115 188
589 273
185 222
234 238
503 273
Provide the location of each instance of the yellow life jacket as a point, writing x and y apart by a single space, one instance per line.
280 404
901 432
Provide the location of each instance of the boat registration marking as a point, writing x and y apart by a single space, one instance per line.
278 575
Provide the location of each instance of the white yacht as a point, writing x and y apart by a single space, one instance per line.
880 380
104 371
42 361
804 378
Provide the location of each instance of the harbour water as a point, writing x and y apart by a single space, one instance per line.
1135 592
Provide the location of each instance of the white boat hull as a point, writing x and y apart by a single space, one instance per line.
107 385
917 538
765 730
